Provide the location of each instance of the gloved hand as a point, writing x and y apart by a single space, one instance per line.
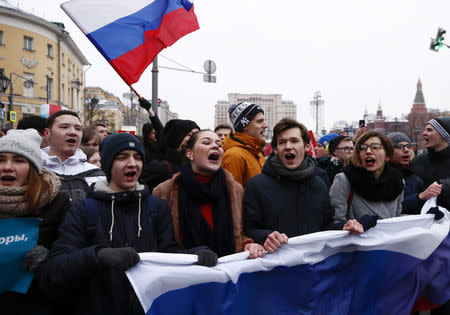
443 199
122 258
438 214
144 103
34 258
206 257
368 221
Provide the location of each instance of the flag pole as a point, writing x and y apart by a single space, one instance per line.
132 88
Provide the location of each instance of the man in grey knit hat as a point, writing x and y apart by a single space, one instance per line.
434 166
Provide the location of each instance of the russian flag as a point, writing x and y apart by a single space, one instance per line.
129 34
382 271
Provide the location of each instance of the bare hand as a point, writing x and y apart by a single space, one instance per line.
353 227
255 250
359 131
432 191
274 241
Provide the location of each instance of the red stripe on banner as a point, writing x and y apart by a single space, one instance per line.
174 25
422 304
312 145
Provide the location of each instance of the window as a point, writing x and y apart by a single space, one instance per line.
62 60
49 88
1 38
63 94
49 50
27 43
28 86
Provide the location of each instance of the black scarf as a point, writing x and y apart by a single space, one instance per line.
302 172
385 188
194 227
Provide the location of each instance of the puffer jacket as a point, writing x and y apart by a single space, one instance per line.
243 156
169 191
73 273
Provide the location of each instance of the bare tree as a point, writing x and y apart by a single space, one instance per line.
91 109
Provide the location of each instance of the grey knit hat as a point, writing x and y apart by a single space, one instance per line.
241 114
442 125
26 143
397 137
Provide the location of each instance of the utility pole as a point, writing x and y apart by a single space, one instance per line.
315 104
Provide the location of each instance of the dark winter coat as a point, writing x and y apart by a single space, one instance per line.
432 166
273 203
413 187
73 270
52 214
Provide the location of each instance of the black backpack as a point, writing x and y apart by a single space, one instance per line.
75 186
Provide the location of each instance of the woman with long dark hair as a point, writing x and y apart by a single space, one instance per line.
206 202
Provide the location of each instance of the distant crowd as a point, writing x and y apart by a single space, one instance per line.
104 198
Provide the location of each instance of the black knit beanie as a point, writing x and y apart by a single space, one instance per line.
175 130
241 114
112 145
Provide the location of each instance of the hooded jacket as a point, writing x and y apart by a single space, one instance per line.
73 270
169 191
75 164
243 156
294 207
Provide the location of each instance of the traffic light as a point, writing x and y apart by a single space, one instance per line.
438 42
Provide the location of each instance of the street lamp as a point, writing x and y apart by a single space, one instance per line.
4 82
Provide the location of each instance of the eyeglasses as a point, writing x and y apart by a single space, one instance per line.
402 146
345 149
373 146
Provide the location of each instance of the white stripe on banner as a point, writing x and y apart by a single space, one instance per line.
85 13
158 273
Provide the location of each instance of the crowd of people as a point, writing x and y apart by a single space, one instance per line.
103 199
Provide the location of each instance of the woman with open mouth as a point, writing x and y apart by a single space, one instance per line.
206 202
28 191
369 188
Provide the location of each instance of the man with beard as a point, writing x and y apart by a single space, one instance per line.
287 199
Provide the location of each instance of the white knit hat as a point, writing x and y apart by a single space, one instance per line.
26 143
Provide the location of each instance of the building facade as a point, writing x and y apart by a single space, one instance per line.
275 108
108 109
43 62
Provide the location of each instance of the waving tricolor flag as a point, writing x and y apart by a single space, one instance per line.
129 34
383 271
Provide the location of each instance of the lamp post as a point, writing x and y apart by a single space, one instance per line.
4 82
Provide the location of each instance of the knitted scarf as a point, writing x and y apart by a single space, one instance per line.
194 228
11 196
385 188
303 171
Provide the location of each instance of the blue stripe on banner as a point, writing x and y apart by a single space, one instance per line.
127 33
366 282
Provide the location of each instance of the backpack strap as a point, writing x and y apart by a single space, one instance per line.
349 199
92 216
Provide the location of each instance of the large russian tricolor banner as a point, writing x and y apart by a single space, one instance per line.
129 34
382 271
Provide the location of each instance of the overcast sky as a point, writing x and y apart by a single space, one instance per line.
357 53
